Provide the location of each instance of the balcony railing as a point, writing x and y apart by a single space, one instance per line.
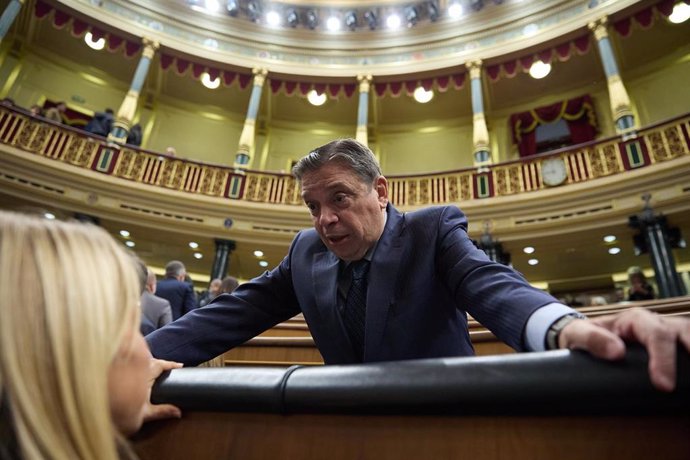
660 142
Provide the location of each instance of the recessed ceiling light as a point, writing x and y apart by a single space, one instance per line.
528 249
263 263
539 70
273 18
49 215
212 5
193 244
198 255
130 244
610 238
614 250
124 233
455 10
258 253
533 261
423 96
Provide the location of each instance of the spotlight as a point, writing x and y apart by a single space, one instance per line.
273 18
432 9
371 19
312 19
411 16
253 11
233 7
393 21
333 23
351 20
455 10
292 18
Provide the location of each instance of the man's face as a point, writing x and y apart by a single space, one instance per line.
347 213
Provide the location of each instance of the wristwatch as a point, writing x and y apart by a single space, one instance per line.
556 328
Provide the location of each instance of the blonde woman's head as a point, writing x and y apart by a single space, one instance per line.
69 329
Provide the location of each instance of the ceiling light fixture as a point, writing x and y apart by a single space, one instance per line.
393 21
533 261
263 263
423 96
212 6
207 82
333 23
614 250
94 44
258 253
49 215
610 238
124 233
539 70
198 255
455 10
528 249
273 18
130 244
315 98
193 244
680 14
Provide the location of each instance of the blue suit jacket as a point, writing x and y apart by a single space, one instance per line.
180 295
424 276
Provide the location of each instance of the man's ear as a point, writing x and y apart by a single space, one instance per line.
381 186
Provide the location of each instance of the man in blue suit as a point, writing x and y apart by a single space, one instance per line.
174 289
421 275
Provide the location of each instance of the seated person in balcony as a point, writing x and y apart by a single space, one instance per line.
101 123
36 110
56 113
75 373
423 274
134 137
639 287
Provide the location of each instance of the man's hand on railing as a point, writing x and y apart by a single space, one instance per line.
603 337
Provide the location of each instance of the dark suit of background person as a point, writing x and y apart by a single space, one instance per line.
101 123
425 274
180 294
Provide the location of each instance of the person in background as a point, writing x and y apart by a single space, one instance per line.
174 289
56 113
170 151
211 293
101 123
228 285
36 110
155 309
134 137
75 373
639 289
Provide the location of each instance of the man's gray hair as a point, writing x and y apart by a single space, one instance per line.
349 152
174 268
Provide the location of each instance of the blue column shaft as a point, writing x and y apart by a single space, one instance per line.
363 109
140 74
477 99
607 57
8 17
254 100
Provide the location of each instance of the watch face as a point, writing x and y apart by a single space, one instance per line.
553 171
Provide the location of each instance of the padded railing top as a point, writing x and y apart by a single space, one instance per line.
555 382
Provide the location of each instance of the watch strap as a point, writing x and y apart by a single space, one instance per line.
555 330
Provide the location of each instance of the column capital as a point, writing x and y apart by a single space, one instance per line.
599 27
475 68
150 47
364 83
259 75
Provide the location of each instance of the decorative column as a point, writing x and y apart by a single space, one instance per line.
620 102
363 109
9 15
249 128
222 258
124 117
480 134
658 239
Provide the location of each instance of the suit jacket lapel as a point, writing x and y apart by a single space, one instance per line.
383 276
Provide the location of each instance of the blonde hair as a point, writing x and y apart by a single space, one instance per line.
69 300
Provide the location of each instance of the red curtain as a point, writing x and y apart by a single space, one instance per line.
578 113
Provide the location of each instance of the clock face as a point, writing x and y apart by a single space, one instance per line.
553 171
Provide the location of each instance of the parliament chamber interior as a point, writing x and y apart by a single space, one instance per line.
561 128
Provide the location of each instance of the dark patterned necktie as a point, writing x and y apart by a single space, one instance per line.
354 313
